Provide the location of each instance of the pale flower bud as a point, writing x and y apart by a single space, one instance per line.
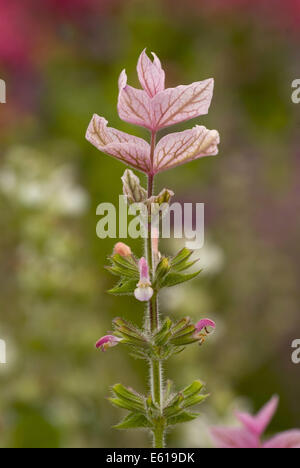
132 188
122 249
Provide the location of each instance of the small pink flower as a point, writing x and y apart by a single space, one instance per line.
203 329
107 341
249 435
143 292
155 107
206 324
122 249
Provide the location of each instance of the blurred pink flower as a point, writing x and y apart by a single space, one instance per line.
155 107
143 292
249 435
107 341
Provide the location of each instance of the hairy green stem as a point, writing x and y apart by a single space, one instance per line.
155 365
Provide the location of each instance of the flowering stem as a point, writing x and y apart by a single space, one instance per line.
155 365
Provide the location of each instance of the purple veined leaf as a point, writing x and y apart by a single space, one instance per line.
181 147
151 75
129 149
174 105
134 105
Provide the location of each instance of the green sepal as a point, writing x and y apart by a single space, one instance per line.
180 325
161 337
133 421
162 270
184 336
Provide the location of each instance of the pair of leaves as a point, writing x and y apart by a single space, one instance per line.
144 413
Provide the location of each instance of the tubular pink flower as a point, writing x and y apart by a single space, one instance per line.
144 291
122 249
107 341
248 436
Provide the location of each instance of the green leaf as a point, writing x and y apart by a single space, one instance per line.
184 266
183 417
120 271
194 400
176 278
123 262
128 394
192 389
126 404
181 257
124 287
133 421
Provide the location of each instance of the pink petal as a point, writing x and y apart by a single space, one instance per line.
144 270
107 341
233 437
151 74
204 323
257 424
127 148
287 439
182 103
143 293
134 105
179 148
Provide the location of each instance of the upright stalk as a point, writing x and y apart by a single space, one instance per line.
155 365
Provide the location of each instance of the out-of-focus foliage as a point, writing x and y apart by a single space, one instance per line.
61 61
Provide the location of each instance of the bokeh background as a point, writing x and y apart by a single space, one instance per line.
61 60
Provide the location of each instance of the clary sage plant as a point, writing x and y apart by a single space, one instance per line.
154 108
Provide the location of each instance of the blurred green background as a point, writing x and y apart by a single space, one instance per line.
61 60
